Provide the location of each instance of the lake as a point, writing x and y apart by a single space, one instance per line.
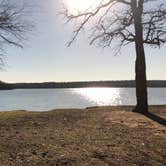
47 99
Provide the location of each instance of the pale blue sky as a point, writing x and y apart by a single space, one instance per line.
45 56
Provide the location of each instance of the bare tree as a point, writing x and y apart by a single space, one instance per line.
125 21
14 23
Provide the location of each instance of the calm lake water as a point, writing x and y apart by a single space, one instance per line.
47 99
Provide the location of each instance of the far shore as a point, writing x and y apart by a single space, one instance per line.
81 84
110 135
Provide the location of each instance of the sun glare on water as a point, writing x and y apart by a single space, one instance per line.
76 6
100 96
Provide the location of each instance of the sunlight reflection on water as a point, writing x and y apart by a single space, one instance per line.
48 99
100 96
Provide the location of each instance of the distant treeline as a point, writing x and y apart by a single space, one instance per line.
5 86
154 83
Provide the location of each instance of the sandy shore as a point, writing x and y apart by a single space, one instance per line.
97 136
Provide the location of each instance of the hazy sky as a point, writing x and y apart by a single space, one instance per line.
45 56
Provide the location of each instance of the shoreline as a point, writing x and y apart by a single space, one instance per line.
85 108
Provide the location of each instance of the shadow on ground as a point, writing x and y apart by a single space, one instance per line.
156 118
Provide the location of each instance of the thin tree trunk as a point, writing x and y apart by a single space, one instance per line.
140 66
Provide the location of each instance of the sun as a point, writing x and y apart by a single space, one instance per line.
78 6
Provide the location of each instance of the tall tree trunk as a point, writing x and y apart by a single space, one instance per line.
140 78
140 66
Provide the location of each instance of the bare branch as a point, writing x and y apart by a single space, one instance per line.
107 24
86 16
14 23
154 26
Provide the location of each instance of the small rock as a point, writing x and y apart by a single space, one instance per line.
143 144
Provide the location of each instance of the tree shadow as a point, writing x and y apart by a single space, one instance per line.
155 118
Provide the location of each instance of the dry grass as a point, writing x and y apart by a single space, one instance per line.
98 136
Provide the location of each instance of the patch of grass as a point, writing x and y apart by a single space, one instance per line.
93 136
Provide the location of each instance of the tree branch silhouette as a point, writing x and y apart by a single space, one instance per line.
14 24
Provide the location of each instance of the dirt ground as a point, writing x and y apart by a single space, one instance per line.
98 136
